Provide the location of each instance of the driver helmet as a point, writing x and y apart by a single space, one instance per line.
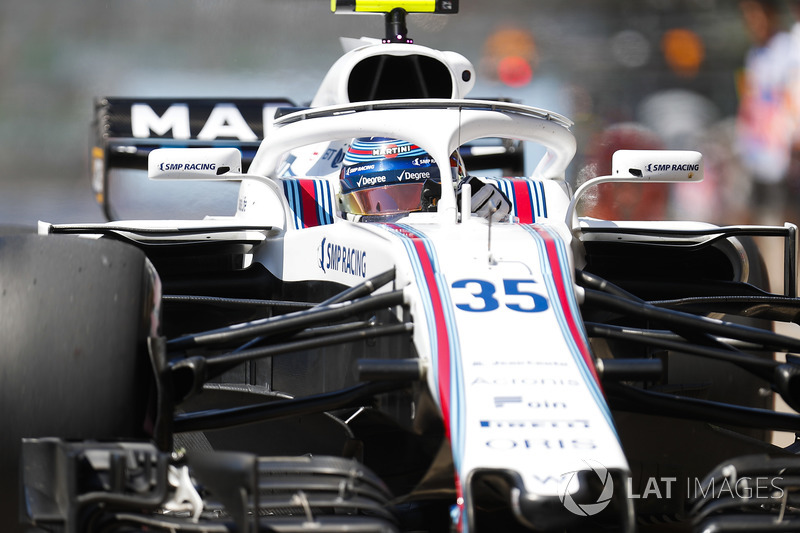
383 176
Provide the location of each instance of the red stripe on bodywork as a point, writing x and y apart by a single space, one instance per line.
572 322
522 201
308 200
442 340
442 351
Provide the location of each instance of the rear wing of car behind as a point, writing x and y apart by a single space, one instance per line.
126 130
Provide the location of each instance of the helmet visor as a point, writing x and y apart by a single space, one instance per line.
386 200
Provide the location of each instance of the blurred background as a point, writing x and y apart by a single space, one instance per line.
651 72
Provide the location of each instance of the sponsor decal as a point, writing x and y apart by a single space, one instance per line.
224 121
524 362
359 168
176 119
392 150
667 167
333 156
187 166
339 258
540 444
422 161
500 401
371 180
527 381
406 175
529 424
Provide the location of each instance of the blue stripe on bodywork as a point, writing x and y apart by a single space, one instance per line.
552 292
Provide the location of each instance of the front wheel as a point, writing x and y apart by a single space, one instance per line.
76 314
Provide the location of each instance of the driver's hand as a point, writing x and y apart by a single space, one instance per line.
488 201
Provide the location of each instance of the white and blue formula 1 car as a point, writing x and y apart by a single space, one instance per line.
376 341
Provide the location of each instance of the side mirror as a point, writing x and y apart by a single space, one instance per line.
221 164
658 166
193 163
643 166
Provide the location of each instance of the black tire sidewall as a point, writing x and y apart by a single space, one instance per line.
74 316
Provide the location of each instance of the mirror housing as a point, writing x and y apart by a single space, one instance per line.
193 163
658 166
643 166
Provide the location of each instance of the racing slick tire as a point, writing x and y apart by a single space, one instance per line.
76 314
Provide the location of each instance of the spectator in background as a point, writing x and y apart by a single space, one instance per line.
765 123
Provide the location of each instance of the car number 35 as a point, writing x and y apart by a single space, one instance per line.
515 294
